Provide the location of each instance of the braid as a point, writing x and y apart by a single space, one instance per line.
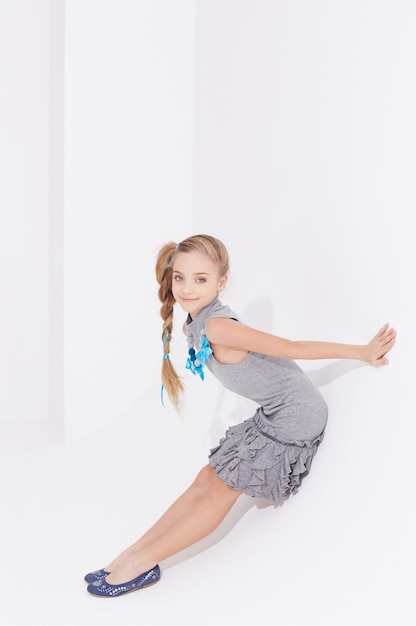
170 379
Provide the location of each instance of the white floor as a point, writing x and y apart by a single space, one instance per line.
68 509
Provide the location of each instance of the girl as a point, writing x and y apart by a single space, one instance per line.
267 455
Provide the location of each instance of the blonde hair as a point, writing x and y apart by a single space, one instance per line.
217 252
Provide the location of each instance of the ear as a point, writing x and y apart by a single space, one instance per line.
222 283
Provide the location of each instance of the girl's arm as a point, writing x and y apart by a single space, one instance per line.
231 334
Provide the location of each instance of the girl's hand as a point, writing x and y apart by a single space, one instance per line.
378 347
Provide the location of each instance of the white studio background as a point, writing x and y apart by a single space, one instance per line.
288 130
304 162
128 180
24 211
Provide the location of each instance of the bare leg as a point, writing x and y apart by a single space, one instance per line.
193 516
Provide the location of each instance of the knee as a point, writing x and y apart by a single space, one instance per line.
205 479
207 483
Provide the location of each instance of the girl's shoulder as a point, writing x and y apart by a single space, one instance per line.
222 330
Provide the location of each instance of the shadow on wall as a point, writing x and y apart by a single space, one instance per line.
332 371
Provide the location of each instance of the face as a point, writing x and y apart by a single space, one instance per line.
196 281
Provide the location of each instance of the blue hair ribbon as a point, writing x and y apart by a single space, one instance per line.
166 336
165 356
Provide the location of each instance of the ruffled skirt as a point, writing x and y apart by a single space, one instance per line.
251 458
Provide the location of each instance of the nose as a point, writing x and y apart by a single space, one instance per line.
186 287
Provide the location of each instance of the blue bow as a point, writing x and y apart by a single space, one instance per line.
196 362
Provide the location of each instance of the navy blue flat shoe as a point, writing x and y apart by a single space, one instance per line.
103 589
99 574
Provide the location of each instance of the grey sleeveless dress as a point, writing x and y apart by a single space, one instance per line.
267 455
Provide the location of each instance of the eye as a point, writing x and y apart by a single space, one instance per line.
201 280
177 278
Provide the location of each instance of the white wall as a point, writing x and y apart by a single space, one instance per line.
56 216
304 165
114 83
24 210
128 180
